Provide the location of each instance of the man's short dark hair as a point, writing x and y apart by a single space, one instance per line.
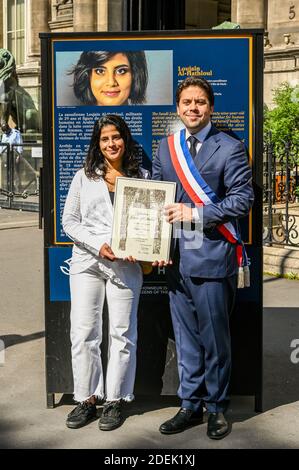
92 59
199 82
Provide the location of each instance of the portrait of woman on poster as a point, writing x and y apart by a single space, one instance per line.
109 78
96 274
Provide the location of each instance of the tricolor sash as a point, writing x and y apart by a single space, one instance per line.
201 194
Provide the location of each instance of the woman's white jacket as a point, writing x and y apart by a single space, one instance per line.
87 219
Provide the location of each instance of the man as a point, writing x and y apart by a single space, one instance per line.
13 136
202 280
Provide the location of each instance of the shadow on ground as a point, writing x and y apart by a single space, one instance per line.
11 340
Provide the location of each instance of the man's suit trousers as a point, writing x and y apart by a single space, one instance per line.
200 311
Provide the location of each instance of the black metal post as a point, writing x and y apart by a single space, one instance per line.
9 176
287 190
40 198
270 192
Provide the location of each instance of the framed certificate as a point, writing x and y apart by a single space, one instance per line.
139 225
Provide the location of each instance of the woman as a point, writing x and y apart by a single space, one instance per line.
106 78
95 273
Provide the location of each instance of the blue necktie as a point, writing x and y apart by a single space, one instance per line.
193 141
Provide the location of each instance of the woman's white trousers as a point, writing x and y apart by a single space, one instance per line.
88 290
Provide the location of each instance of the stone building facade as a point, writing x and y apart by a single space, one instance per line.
280 20
23 20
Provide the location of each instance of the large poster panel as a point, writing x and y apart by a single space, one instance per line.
135 75
147 72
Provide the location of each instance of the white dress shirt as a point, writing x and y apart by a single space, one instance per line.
200 136
14 136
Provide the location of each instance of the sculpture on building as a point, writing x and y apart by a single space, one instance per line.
15 101
59 3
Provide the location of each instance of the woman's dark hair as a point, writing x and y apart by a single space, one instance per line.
92 59
95 160
194 81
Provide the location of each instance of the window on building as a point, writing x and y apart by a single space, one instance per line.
15 28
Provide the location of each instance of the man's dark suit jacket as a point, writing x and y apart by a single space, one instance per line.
223 164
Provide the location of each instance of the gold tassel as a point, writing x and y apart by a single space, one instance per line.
246 276
241 278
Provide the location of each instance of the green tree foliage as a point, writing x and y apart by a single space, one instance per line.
283 120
